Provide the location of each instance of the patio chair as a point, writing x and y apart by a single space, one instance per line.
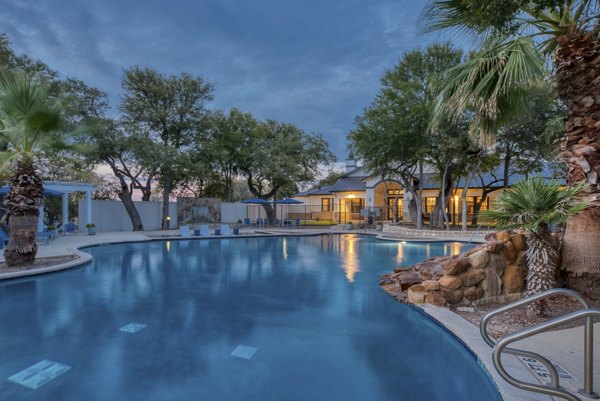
225 230
247 222
204 230
297 222
70 228
258 223
265 222
277 222
184 231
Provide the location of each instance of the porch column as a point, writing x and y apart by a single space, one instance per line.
65 210
370 195
41 220
88 207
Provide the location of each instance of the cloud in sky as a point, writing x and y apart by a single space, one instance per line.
315 63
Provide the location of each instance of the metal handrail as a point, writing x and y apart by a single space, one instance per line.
588 340
587 314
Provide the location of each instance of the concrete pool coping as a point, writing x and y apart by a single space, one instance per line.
555 346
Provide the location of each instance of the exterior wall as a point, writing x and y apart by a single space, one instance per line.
232 212
109 215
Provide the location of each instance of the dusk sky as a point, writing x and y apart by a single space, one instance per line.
314 63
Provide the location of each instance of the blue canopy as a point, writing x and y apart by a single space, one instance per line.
288 201
256 201
47 192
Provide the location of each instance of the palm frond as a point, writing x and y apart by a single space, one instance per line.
533 203
491 85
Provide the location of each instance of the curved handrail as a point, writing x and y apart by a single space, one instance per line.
502 344
525 301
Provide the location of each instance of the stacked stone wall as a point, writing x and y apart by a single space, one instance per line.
487 272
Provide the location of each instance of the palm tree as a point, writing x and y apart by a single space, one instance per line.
518 37
534 205
28 118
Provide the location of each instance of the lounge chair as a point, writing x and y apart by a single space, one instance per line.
225 230
184 231
204 230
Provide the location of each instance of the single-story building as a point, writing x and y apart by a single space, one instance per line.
359 194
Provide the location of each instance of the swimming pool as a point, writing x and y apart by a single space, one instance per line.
296 318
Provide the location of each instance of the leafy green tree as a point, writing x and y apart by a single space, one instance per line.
516 36
393 134
104 141
277 155
534 205
170 110
29 122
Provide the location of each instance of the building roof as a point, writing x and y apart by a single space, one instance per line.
345 184
349 183
316 191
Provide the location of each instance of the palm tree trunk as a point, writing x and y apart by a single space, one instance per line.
577 71
542 259
23 201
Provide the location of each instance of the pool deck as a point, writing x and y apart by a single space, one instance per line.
563 346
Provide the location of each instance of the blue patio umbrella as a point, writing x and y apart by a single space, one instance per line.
254 201
47 192
288 201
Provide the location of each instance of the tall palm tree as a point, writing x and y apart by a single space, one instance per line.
518 36
29 117
534 205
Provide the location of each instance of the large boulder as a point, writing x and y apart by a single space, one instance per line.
501 236
456 266
430 285
494 246
472 277
512 279
452 296
450 282
509 252
472 293
479 259
416 294
518 241
491 284
430 270
435 298
497 262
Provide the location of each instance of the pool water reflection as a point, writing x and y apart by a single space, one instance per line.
296 318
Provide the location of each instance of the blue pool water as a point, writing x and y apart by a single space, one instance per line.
297 318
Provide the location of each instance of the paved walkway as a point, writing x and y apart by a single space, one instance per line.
563 347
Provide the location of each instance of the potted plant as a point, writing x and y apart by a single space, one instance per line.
236 227
53 231
91 228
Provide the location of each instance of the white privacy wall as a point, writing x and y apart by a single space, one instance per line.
109 215
232 212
